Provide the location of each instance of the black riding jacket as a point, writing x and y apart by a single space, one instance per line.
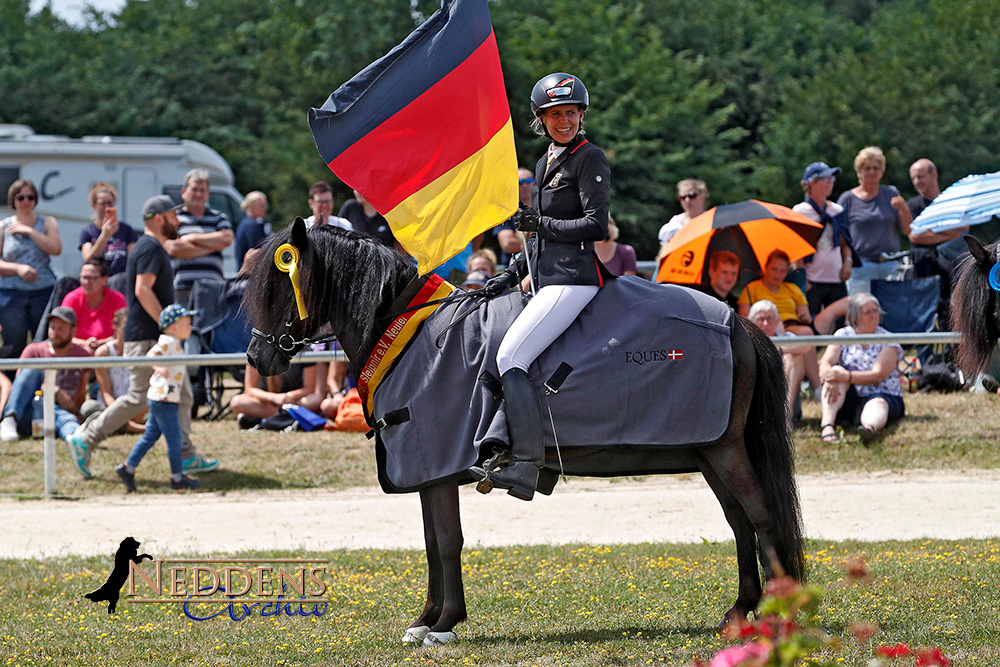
572 199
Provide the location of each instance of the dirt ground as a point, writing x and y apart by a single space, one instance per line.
877 506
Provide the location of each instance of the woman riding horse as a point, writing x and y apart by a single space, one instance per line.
570 198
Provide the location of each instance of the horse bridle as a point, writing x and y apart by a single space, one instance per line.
286 342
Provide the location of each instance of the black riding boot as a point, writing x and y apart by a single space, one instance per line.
527 450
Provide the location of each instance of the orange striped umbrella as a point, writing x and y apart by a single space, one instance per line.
752 229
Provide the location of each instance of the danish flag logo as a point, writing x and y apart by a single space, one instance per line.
675 354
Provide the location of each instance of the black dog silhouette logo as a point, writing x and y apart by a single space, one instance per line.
128 552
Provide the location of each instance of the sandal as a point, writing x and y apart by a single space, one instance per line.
829 437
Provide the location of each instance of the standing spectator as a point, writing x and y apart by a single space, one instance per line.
164 394
26 280
202 235
483 260
875 216
790 301
71 385
107 238
112 381
510 242
321 204
723 272
618 258
693 194
933 253
95 306
364 218
150 284
860 382
253 228
830 267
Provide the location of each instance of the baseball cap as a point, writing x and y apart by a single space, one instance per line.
157 205
476 280
172 313
818 170
63 313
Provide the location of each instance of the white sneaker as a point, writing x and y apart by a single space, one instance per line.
8 429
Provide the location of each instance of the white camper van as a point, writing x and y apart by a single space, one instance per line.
64 170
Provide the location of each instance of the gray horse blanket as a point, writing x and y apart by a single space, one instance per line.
648 361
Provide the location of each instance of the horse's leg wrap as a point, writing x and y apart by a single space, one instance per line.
527 449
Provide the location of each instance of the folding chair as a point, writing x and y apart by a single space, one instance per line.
219 328
910 306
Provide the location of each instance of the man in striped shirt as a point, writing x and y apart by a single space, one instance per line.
202 235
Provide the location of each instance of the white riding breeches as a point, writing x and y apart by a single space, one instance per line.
547 315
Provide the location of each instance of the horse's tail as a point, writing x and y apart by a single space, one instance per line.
972 310
770 449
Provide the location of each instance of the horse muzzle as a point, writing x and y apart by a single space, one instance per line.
267 359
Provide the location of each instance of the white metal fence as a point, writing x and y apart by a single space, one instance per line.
52 365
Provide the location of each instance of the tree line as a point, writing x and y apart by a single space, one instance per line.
740 93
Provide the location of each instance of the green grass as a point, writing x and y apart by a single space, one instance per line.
941 431
572 605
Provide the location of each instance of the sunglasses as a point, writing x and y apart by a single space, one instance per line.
690 195
25 197
525 181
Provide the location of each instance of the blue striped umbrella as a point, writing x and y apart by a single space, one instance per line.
971 201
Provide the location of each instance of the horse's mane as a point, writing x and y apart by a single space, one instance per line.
973 309
347 278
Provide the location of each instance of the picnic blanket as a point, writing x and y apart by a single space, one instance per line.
649 363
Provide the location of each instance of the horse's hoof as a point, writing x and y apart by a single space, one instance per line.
440 638
415 635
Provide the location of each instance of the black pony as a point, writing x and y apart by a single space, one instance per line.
350 281
975 305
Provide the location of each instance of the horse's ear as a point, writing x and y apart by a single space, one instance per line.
299 235
978 251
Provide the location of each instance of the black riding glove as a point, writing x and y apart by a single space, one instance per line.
525 219
496 285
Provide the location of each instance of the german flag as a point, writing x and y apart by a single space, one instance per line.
425 134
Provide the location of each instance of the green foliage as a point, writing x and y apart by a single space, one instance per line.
741 93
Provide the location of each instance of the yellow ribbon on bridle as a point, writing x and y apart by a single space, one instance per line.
286 258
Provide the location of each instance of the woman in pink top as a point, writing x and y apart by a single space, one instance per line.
94 305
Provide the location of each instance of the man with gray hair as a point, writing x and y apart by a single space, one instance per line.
202 235
764 314
933 253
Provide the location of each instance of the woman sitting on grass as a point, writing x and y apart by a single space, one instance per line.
860 382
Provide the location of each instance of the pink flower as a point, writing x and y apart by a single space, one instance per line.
750 654
932 657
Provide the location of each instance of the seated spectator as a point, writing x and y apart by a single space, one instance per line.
860 382
693 194
828 269
475 280
364 218
723 272
71 384
875 216
336 381
95 306
263 397
113 381
765 315
5 382
253 229
618 258
107 238
484 260
793 308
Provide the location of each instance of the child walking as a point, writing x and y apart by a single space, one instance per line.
164 394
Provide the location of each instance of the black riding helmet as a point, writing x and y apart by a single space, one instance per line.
558 88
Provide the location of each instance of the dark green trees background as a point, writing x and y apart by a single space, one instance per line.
740 93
